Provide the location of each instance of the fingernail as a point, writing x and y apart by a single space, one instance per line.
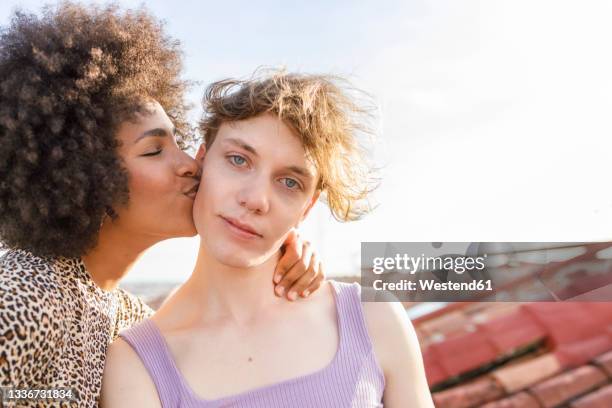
279 290
306 293
292 295
277 278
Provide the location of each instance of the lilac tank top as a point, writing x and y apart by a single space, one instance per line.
352 379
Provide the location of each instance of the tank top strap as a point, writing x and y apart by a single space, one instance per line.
147 341
354 336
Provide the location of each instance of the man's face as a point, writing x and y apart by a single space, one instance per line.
257 183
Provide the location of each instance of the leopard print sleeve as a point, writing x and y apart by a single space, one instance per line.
32 331
56 325
132 310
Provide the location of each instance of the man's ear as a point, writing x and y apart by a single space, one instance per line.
313 201
201 153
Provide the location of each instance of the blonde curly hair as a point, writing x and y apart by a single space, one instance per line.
324 115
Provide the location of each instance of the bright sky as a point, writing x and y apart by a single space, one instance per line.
495 115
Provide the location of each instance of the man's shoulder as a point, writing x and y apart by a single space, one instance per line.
126 381
388 323
383 310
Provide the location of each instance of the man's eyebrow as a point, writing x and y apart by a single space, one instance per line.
156 132
300 171
242 144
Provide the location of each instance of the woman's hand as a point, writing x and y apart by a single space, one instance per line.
299 271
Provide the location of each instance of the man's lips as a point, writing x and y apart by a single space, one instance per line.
241 227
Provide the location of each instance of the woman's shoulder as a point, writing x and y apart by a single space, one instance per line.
20 261
33 311
40 272
132 310
32 283
29 279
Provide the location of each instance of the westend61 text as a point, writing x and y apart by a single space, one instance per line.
429 285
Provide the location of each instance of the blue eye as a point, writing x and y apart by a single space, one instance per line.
291 183
237 160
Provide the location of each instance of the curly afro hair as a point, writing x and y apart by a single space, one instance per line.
68 78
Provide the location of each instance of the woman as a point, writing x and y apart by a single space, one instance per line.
92 176
273 146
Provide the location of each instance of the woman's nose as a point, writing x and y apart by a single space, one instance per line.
188 166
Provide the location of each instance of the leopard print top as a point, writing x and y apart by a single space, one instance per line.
55 326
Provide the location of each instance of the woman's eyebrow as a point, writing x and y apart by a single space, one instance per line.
156 132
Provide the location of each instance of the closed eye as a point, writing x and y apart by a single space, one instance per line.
153 153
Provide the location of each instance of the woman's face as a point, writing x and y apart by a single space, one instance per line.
163 179
257 183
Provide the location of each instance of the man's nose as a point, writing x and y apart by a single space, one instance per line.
255 197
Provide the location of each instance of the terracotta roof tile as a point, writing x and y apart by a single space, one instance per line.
435 373
464 352
566 322
469 395
602 398
601 310
483 311
448 324
568 385
527 373
520 400
477 338
580 352
512 331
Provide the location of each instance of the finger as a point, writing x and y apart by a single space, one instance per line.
296 271
314 285
303 281
291 255
292 237
316 282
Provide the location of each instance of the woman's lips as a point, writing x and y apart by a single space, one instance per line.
240 229
191 193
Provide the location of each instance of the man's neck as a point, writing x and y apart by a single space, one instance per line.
228 292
